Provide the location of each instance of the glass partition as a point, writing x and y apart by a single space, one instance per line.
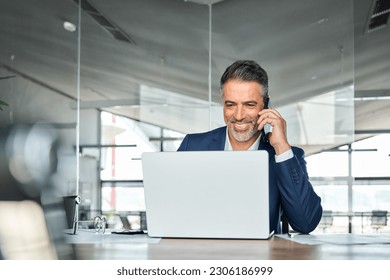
38 81
160 65
144 80
310 75
38 78
149 73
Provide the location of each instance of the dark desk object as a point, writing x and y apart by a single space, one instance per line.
378 219
125 222
285 224
139 215
71 210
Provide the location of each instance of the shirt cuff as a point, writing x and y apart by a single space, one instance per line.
284 156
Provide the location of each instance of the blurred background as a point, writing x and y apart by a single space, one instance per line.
101 82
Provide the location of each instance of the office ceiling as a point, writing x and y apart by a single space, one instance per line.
140 56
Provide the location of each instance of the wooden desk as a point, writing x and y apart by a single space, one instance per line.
276 248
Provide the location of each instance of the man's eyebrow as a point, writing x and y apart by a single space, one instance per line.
250 101
245 102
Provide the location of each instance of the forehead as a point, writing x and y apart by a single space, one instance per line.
242 90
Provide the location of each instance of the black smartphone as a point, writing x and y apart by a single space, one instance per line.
267 129
266 102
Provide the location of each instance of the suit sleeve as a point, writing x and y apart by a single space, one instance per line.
301 205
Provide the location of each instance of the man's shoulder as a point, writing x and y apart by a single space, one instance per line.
208 134
209 140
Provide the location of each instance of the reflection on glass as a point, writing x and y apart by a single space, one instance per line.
37 74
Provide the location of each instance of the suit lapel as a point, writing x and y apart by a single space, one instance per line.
218 140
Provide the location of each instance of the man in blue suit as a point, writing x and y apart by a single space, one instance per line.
244 90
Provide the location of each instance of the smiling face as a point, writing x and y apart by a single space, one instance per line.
243 101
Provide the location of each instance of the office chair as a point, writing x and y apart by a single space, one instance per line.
378 219
23 231
285 224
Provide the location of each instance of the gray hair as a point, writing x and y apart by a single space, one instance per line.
246 70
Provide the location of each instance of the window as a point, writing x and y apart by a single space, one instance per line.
124 140
352 196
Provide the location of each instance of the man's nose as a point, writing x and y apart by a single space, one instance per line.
239 113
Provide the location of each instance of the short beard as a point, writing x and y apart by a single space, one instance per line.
244 135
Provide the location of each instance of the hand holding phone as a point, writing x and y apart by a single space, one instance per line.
273 128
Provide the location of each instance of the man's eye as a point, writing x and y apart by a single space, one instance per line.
251 105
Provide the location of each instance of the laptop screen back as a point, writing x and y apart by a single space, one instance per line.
210 194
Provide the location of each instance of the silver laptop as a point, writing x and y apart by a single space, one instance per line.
210 194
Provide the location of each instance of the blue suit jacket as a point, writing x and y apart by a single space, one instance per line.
290 191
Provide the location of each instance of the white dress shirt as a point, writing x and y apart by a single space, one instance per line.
278 158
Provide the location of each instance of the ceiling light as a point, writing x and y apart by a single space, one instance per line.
204 2
371 98
322 20
68 26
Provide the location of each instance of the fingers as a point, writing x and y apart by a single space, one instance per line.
278 137
270 116
272 113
